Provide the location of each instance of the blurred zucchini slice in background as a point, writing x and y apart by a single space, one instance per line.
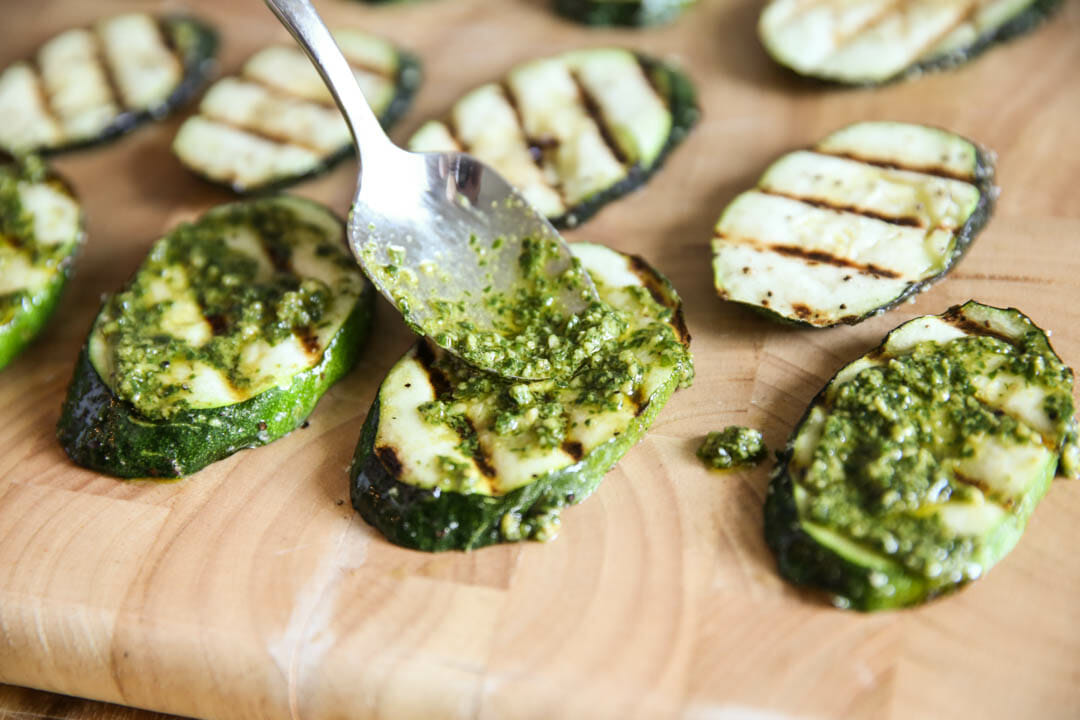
917 467
867 42
88 85
634 13
41 228
453 458
573 131
276 123
225 338
868 216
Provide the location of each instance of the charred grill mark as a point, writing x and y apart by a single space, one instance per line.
649 72
801 311
535 146
574 449
390 461
480 455
218 323
658 290
279 254
42 93
593 110
906 221
869 22
985 489
425 355
641 408
820 256
934 170
955 316
107 71
276 138
308 338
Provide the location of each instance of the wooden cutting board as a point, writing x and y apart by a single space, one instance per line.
252 590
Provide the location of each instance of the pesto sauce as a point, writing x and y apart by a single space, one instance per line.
893 433
238 297
731 447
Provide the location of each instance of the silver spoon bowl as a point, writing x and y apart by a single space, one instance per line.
432 228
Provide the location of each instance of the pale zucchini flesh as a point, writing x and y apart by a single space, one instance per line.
917 467
868 216
573 131
225 337
867 42
41 228
88 85
276 123
452 458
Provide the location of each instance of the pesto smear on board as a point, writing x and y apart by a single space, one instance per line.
731 447
533 336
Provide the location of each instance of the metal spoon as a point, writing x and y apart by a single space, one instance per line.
428 214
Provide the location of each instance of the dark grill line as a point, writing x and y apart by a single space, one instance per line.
925 170
818 256
592 109
107 70
271 137
905 221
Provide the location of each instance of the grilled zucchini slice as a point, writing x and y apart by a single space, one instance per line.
41 228
452 458
917 467
225 338
88 85
871 214
868 42
573 131
634 13
277 123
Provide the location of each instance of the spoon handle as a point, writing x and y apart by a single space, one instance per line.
300 18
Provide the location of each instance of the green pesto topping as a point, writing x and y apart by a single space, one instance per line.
220 293
533 335
731 447
894 438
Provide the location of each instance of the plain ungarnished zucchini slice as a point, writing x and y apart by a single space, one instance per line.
870 215
634 13
87 85
917 467
451 458
225 338
573 131
276 123
867 42
41 228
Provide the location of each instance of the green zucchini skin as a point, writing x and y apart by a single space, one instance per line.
198 44
101 432
604 13
407 82
24 324
677 87
804 561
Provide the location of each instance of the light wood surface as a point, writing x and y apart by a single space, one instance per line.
252 590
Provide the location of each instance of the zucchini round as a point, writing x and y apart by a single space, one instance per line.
631 13
90 85
870 215
917 467
225 338
868 42
276 123
451 458
572 132
41 229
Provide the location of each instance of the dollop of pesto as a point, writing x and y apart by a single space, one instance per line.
896 439
731 447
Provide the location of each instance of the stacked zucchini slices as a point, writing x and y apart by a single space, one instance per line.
917 467
634 13
454 458
870 215
225 338
867 42
91 84
572 131
41 228
277 122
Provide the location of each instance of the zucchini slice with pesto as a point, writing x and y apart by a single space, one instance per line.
41 228
867 42
225 338
573 131
634 13
452 458
868 216
88 85
276 123
917 467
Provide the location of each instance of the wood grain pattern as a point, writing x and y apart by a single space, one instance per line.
252 590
